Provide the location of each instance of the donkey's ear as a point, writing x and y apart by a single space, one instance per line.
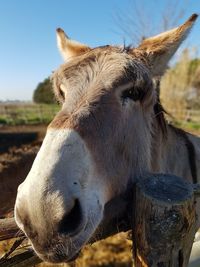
159 49
69 48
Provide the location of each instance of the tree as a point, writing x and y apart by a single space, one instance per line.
44 93
140 21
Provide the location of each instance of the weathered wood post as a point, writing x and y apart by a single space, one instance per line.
164 223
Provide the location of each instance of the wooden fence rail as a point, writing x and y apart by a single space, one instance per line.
163 224
9 229
186 115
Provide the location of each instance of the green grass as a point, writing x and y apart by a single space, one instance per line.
188 125
27 114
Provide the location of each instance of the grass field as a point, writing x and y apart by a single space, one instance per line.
27 114
188 125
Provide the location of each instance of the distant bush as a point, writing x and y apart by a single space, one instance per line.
44 93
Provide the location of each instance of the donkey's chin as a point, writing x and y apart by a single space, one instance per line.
65 248
60 257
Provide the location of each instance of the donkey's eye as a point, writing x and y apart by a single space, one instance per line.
133 93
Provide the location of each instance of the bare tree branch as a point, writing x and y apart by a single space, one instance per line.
140 21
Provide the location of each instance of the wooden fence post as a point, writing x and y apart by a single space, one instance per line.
164 223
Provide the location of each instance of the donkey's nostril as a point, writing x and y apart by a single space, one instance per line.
71 220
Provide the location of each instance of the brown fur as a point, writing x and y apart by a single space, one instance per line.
190 151
94 106
95 109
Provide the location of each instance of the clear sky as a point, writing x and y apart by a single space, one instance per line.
28 51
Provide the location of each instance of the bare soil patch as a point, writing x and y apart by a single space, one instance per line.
18 148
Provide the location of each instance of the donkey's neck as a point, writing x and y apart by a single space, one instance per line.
175 152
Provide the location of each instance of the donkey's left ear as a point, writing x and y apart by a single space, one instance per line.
69 48
159 49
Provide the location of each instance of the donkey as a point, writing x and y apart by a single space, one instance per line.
110 131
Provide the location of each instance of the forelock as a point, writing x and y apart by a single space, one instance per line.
102 67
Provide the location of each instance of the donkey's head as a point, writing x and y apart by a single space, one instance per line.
97 143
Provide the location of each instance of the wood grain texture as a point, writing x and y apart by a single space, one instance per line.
165 221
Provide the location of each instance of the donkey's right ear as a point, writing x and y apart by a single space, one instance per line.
159 49
69 48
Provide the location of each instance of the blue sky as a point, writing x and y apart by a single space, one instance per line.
28 51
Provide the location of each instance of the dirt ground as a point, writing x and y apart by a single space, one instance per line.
15 163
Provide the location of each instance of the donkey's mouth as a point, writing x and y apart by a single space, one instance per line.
60 253
66 248
60 258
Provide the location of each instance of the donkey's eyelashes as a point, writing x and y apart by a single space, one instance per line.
134 94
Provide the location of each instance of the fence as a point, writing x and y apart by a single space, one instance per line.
186 115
